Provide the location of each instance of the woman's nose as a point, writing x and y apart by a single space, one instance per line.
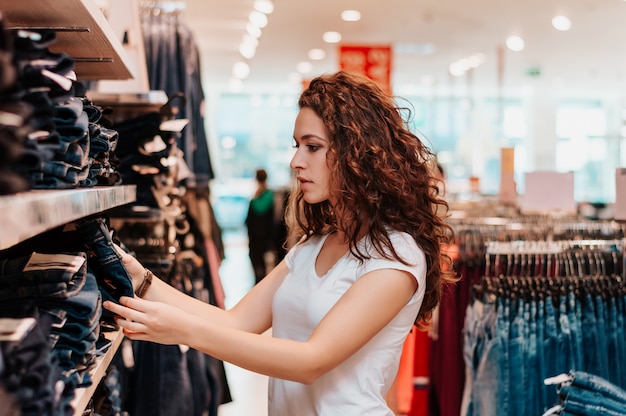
296 161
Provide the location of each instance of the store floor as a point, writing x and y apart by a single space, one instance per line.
248 390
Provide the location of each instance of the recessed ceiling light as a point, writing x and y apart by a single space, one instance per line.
317 54
351 15
258 19
253 30
515 43
561 23
332 37
247 51
264 6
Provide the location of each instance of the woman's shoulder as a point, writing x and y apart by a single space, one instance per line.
405 245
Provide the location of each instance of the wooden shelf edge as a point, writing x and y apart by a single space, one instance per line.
82 32
84 395
27 214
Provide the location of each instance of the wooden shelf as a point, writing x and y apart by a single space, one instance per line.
27 214
82 32
83 395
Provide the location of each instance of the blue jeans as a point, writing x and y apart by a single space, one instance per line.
589 394
113 278
602 349
516 357
502 337
484 398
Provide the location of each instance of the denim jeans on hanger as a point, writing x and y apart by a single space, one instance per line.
565 351
485 361
503 320
615 339
601 352
542 389
533 379
573 317
516 356
550 344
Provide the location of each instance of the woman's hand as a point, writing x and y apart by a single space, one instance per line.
132 265
145 320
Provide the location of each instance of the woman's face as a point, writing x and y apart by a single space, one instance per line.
309 162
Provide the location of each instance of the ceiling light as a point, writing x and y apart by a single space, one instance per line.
247 51
264 6
317 54
258 19
332 37
561 23
241 70
457 69
515 43
304 67
351 15
253 30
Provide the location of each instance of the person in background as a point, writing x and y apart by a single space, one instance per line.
260 225
368 265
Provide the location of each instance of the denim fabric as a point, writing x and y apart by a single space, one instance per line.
576 336
516 357
502 336
601 352
533 379
588 401
169 391
551 341
29 370
75 131
12 275
113 278
613 342
68 112
542 392
565 355
59 288
484 398
469 345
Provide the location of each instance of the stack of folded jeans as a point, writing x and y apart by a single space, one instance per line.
66 296
582 393
65 146
44 79
15 120
104 168
28 372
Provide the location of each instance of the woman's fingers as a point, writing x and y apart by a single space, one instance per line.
126 308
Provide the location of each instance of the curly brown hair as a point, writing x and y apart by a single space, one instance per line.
382 177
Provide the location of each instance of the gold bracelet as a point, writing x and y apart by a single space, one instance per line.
145 284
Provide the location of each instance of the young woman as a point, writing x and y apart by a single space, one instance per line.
368 266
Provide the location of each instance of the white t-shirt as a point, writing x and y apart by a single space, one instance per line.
358 386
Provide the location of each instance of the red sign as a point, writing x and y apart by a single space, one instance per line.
372 61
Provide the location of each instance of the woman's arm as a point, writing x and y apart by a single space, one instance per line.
370 304
251 314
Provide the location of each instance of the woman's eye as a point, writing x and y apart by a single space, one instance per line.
313 147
